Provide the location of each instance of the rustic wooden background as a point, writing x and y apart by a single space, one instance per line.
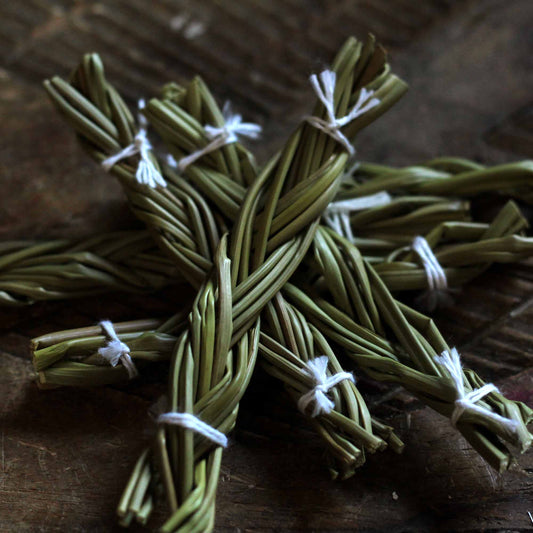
65 454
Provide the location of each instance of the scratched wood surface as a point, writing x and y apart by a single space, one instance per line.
65 454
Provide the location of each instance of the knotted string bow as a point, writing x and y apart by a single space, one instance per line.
451 361
146 173
317 370
222 135
324 87
115 350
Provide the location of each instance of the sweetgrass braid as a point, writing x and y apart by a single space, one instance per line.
444 176
272 237
70 358
177 215
463 249
60 269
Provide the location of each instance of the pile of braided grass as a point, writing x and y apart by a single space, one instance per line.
273 218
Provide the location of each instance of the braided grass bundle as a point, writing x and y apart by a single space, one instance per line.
216 351
185 226
444 176
348 429
463 249
70 358
60 269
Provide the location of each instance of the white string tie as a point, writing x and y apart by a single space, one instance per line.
220 136
435 273
337 214
451 361
316 369
115 350
189 421
146 173
324 87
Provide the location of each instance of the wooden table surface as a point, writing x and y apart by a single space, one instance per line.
65 454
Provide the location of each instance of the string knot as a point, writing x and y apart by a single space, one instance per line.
115 350
316 369
146 173
467 401
438 292
435 273
324 87
189 421
337 214
221 135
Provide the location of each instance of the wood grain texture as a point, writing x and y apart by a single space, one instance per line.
64 455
